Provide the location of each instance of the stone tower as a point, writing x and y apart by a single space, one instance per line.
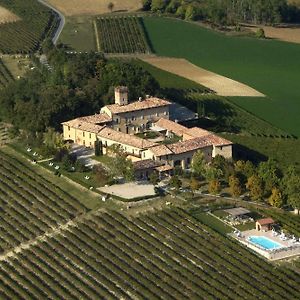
121 95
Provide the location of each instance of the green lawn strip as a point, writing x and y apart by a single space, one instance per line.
83 195
210 221
271 67
78 34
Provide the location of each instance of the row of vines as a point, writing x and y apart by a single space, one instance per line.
29 204
24 36
159 255
5 75
122 35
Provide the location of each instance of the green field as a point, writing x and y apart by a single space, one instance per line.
271 67
79 34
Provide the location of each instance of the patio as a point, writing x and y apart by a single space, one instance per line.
290 247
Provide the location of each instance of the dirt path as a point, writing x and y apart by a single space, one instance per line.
286 34
7 17
223 86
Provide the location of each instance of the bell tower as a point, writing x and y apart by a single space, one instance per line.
121 95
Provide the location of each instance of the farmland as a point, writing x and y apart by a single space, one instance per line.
160 255
93 7
30 205
121 35
5 75
24 36
271 67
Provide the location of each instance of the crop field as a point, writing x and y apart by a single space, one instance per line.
6 16
223 86
121 35
30 205
271 67
3 134
24 36
5 75
160 255
93 7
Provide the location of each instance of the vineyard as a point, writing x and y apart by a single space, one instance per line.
24 36
5 75
121 35
30 205
3 134
160 255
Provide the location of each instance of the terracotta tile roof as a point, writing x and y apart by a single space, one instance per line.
96 119
181 147
89 127
138 105
192 133
161 150
171 126
189 145
146 164
265 221
89 123
124 138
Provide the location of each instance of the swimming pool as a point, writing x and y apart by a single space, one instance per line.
264 242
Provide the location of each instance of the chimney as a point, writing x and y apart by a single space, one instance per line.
121 95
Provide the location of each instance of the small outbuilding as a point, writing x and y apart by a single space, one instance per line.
264 224
238 212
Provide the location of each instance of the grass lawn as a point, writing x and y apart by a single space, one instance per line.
78 34
211 221
271 67
17 66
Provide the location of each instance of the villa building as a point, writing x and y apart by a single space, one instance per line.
124 123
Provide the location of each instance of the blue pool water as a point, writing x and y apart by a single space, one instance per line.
264 242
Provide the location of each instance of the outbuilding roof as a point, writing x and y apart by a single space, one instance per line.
238 211
265 221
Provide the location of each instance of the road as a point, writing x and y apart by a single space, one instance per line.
61 23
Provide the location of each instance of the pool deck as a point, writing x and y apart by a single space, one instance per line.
289 248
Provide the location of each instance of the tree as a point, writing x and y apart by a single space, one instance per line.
214 186
235 186
291 188
110 6
276 198
53 139
194 184
255 187
213 173
198 164
190 13
159 5
175 182
260 33
153 178
269 172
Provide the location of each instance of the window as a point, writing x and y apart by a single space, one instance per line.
69 128
188 161
69 136
157 114
142 117
165 113
90 135
84 142
83 134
